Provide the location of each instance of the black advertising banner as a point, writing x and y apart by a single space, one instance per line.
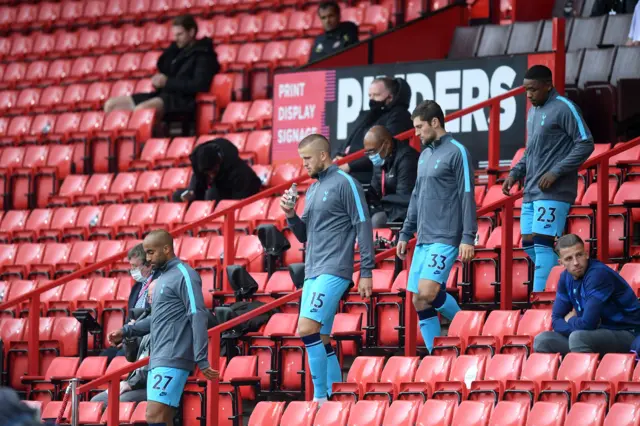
454 84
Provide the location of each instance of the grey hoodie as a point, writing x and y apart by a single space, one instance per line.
559 142
443 206
335 211
178 321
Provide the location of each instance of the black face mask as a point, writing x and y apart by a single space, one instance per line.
376 105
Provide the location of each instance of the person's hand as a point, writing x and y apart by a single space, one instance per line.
507 185
132 322
187 196
210 373
124 387
401 250
570 315
547 180
466 252
159 81
365 287
115 337
289 211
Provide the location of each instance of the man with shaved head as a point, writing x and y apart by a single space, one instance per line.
178 327
395 168
335 213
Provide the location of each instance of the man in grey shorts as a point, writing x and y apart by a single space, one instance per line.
595 310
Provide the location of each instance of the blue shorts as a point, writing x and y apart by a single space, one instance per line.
431 262
544 217
165 385
320 298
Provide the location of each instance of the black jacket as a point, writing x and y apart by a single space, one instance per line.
395 117
400 172
331 42
234 181
189 71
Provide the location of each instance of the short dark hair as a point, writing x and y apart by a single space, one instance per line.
539 73
391 84
187 22
327 4
567 241
427 111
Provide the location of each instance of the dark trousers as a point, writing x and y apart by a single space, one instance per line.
601 341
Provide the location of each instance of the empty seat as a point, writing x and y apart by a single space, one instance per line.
585 414
547 414
586 33
465 42
494 40
473 413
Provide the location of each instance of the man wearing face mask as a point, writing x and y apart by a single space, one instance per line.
142 273
394 176
388 107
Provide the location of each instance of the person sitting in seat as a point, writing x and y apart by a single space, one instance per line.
219 174
185 69
395 170
595 310
337 35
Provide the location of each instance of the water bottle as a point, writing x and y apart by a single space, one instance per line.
94 221
293 196
46 128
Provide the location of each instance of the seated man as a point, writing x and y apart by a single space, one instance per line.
395 169
337 35
185 68
389 107
595 310
219 174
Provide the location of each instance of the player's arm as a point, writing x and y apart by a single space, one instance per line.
561 307
410 224
191 296
298 225
598 289
137 329
574 125
356 206
464 170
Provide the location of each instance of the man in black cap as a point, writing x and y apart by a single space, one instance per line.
219 174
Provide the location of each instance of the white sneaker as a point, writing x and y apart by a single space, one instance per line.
320 401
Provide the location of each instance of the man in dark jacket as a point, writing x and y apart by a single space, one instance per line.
219 174
395 169
337 35
185 68
389 107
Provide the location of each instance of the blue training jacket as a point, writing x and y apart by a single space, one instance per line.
601 299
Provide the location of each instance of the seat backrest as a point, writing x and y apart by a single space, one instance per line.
504 367
583 410
436 412
515 412
468 368
545 44
628 56
539 367
613 36
501 323
587 33
615 368
574 63
266 412
434 369
333 413
465 42
473 412
622 414
577 367
631 273
534 322
365 369
600 65
399 369
467 323
63 367
494 40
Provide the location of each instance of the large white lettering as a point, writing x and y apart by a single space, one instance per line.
452 89
287 136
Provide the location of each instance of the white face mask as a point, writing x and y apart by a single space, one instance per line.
137 275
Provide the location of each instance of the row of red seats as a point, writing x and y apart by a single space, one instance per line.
441 413
371 17
509 377
55 259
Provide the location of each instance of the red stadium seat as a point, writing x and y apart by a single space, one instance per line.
365 369
248 28
368 412
234 114
464 325
154 150
141 215
575 369
50 100
622 414
155 35
43 45
613 369
397 370
274 23
8 99
172 179
227 54
97 93
500 369
497 325
148 182
333 413
48 14
300 413
585 414
72 186
538 368
39 220
473 413
532 323
20 47
509 413
98 184
71 12
436 413
267 414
